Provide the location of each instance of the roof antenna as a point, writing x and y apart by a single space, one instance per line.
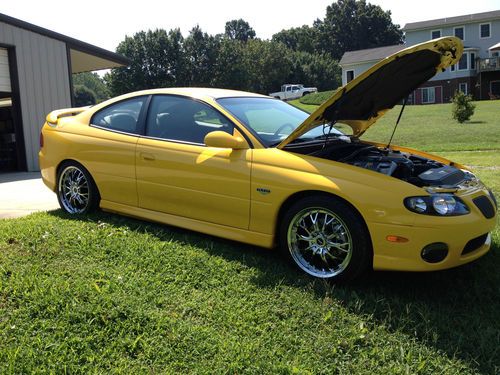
397 122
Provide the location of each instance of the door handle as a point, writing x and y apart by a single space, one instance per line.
146 156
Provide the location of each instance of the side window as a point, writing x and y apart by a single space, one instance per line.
182 119
122 116
289 88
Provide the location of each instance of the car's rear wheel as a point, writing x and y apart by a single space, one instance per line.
325 238
76 190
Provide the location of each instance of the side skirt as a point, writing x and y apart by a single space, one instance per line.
235 234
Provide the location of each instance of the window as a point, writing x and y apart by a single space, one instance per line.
349 76
462 63
428 95
459 32
472 61
462 86
495 88
289 88
122 116
270 120
295 88
435 34
181 119
485 30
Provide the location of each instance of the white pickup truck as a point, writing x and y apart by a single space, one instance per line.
292 91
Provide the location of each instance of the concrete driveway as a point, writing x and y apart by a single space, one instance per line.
22 193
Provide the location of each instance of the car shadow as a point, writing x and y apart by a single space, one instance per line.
455 311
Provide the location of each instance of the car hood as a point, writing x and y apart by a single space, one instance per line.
368 97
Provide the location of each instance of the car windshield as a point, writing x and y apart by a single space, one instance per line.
271 119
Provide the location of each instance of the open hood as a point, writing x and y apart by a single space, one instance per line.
368 97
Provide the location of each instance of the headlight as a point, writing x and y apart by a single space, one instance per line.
437 204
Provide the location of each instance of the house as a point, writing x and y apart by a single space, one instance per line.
477 73
36 66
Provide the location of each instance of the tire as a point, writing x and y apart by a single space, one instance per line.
77 192
305 93
326 238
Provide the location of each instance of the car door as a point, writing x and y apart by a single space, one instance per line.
109 153
177 174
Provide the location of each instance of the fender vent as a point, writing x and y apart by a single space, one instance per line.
485 206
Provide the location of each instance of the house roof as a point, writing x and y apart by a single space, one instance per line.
372 54
468 18
84 56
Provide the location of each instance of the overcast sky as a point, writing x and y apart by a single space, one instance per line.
106 22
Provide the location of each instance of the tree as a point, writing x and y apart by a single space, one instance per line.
239 30
84 96
94 83
352 25
315 70
157 60
462 108
201 53
304 38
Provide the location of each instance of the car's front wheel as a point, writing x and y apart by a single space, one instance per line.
326 238
76 190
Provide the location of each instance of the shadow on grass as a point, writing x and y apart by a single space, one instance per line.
475 122
456 311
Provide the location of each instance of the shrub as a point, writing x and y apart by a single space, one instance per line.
462 108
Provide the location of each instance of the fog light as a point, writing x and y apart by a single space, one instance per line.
434 252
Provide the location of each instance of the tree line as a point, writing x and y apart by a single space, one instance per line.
237 59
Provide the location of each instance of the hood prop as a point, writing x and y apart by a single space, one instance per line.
397 121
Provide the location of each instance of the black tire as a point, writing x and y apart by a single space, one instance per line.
85 191
320 249
305 93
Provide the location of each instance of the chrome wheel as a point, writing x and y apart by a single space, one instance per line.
319 242
74 190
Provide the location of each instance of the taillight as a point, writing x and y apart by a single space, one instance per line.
41 140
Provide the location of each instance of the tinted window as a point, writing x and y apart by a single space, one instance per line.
436 34
122 116
182 119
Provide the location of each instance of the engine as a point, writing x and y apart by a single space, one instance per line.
414 169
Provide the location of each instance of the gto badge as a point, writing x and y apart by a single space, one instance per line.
263 191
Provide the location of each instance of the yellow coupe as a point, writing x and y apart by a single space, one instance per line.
254 169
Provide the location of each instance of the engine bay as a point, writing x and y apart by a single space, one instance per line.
414 169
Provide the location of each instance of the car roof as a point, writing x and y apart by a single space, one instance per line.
199 92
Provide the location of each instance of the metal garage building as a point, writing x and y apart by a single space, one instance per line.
36 66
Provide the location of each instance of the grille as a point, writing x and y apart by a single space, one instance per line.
485 206
475 244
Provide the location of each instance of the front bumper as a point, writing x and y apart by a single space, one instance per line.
457 232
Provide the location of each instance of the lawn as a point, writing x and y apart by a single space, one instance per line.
106 293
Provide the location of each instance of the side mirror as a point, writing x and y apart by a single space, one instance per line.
222 139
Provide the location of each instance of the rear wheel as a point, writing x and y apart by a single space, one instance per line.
76 190
325 238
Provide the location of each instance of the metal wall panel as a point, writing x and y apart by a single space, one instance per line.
43 81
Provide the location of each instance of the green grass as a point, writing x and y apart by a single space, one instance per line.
108 294
316 98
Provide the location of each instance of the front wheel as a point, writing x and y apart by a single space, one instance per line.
76 190
325 238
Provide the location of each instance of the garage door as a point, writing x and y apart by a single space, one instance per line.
4 71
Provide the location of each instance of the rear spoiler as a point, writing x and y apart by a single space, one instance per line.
54 116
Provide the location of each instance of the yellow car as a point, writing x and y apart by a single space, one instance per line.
251 168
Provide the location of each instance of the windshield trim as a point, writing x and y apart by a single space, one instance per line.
249 128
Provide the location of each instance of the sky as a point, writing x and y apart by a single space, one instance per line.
105 23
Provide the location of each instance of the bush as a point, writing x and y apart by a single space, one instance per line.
463 108
84 96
